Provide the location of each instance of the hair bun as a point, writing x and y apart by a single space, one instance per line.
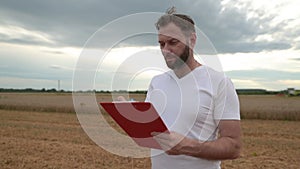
171 10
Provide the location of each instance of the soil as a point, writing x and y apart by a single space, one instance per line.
31 139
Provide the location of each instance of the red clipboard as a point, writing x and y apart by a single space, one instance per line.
138 120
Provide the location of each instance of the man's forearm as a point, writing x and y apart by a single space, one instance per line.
220 149
227 146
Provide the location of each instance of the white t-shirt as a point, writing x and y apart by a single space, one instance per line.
192 106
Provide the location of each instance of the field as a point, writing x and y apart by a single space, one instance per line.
40 131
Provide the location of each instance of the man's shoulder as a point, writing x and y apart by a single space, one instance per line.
162 76
212 73
215 79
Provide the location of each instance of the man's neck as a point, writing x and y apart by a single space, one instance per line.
186 68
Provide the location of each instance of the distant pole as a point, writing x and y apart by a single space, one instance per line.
58 85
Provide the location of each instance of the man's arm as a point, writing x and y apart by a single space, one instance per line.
227 146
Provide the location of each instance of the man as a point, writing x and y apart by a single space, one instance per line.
198 104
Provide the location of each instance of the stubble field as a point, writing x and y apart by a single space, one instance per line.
40 131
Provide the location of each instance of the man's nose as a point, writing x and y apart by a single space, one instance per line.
166 49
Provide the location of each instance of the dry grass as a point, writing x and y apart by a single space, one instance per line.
56 140
53 140
32 139
48 102
270 107
42 102
266 107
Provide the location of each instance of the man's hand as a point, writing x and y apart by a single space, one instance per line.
173 143
121 99
227 146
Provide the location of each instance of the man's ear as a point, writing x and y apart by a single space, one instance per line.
193 39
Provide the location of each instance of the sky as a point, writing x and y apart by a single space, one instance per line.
96 44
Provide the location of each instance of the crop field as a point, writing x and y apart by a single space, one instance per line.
41 130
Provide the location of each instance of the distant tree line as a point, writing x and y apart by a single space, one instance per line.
287 92
256 92
53 90
30 90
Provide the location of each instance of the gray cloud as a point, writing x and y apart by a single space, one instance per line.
71 23
264 74
231 31
255 47
295 59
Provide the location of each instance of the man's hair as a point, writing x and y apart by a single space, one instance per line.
184 22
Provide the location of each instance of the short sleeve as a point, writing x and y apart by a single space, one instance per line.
226 102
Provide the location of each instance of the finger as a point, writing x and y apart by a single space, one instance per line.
163 136
161 140
163 144
121 98
155 133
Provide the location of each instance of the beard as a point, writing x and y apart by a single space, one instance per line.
180 60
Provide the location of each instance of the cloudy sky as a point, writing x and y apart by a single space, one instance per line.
257 42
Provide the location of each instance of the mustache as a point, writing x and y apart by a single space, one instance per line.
170 55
